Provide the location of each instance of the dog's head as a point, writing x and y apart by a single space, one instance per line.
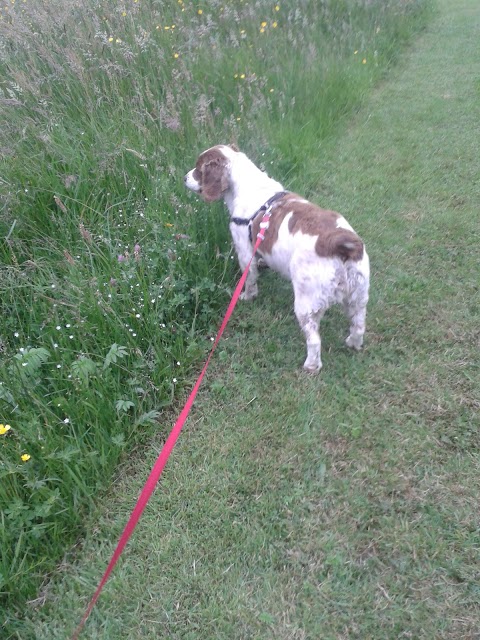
211 176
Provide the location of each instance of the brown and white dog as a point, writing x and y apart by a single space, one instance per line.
316 249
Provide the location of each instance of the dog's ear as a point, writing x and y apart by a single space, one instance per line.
234 147
214 179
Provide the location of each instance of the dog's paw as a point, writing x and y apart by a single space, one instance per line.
250 293
354 342
248 296
312 367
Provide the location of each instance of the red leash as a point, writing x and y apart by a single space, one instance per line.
172 438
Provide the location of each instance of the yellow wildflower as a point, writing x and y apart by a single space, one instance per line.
364 61
4 428
110 39
242 75
175 55
200 11
277 8
26 457
262 30
124 13
274 25
263 24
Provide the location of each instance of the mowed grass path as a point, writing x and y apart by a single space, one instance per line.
344 505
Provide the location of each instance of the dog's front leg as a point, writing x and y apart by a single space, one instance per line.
250 290
244 249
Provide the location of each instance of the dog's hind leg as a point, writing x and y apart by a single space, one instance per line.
355 306
357 328
309 321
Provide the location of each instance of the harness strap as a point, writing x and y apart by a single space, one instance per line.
265 207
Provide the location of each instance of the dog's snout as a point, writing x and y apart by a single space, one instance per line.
191 183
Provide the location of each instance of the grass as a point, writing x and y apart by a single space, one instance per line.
342 506
346 505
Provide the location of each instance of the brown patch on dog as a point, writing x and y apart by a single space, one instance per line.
311 220
210 172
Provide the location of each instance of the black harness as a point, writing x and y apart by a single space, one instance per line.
268 204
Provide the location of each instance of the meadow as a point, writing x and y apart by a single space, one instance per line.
112 277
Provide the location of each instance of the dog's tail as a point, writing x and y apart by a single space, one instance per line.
342 243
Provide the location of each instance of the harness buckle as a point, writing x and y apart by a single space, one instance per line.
265 223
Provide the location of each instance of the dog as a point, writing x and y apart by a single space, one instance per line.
316 249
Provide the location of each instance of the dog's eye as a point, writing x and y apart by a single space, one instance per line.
196 175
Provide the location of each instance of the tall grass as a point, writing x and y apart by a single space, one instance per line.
112 276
